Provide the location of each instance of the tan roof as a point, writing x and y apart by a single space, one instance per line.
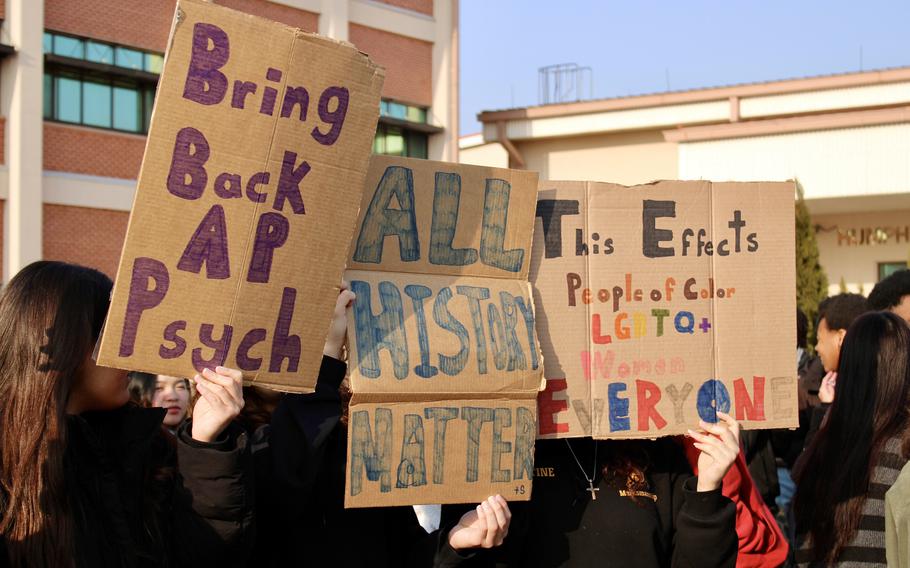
843 80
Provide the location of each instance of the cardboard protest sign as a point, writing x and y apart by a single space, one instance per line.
444 357
246 201
660 304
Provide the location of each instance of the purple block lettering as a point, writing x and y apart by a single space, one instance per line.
269 95
170 334
241 90
257 179
220 346
142 298
335 118
244 361
208 244
295 96
227 186
284 345
289 183
271 232
188 164
205 84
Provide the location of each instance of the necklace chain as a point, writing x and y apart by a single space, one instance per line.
591 489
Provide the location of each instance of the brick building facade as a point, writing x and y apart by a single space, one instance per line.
75 101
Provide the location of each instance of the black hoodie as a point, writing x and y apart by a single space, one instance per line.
670 525
301 458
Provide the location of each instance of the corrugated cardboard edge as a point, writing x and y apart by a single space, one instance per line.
447 166
177 20
587 184
175 23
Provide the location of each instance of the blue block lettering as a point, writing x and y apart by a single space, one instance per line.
385 331
381 220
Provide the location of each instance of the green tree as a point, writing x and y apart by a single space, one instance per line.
811 280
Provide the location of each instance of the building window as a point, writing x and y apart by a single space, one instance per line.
402 111
402 130
886 269
102 52
99 52
96 100
98 84
397 141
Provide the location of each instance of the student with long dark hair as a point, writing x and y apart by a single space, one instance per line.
856 456
89 480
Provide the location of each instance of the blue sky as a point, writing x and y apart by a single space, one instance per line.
634 45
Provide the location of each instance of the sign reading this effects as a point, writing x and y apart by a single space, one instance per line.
661 304
246 201
444 358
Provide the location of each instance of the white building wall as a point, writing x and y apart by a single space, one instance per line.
829 99
867 161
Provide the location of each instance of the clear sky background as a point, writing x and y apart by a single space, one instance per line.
633 46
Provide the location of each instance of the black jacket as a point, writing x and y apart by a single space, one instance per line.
134 506
562 526
758 450
300 459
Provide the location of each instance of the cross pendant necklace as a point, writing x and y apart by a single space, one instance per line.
591 489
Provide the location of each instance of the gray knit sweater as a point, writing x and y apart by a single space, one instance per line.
867 548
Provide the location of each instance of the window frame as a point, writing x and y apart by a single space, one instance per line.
383 130
112 81
144 54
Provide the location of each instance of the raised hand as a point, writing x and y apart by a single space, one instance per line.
484 527
719 446
220 402
826 390
334 341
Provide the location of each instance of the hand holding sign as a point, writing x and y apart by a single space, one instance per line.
484 527
334 341
719 448
220 402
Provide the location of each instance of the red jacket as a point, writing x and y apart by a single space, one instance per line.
761 542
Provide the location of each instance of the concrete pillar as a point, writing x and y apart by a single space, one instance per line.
444 146
333 19
22 101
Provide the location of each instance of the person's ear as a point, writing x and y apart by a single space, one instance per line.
841 333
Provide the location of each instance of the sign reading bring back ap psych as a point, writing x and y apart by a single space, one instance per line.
444 358
661 304
246 201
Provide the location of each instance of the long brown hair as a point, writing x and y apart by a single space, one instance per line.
871 407
51 314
